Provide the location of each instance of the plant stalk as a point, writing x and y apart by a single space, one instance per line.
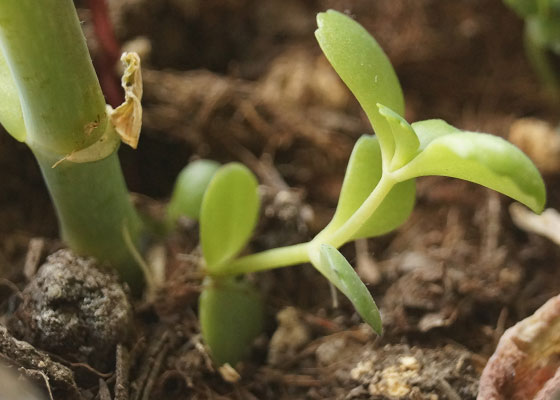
269 259
62 102
64 112
355 222
300 253
93 208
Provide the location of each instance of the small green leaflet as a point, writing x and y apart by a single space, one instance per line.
228 215
341 274
362 175
476 157
405 139
231 316
190 185
11 116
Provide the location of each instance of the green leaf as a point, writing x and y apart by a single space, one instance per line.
540 45
406 141
364 67
541 8
431 129
231 316
11 116
228 215
190 185
523 8
545 33
336 269
476 157
362 175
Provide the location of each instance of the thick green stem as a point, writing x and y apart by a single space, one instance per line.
62 102
93 208
64 112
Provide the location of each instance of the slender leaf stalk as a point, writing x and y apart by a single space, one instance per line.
368 207
269 259
300 253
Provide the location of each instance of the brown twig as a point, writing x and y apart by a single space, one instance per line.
447 389
122 372
104 393
153 359
9 284
74 365
104 375
33 362
47 384
34 252
154 372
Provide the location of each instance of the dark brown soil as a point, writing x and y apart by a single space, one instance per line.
245 80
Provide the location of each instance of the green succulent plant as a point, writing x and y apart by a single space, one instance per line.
377 196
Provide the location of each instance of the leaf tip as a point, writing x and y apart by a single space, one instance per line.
540 199
320 20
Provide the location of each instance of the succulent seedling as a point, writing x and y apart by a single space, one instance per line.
377 196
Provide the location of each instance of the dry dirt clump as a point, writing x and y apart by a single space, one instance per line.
400 372
74 309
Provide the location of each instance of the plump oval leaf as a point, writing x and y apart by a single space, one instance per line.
476 157
362 175
11 116
231 316
336 269
228 215
190 185
364 67
406 141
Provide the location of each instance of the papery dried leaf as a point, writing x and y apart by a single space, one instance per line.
127 118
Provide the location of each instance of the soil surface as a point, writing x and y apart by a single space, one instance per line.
244 80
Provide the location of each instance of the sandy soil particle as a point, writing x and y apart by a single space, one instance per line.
290 337
539 140
402 372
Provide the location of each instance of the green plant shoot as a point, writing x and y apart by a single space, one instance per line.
541 38
51 100
190 186
377 195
